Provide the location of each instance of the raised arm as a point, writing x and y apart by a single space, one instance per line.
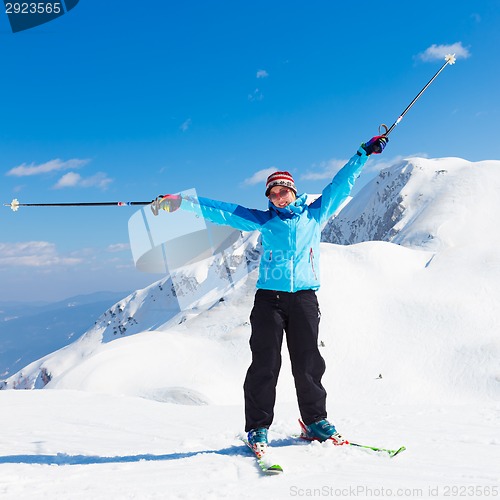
218 212
341 186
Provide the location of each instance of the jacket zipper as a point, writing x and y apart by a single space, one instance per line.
311 260
293 246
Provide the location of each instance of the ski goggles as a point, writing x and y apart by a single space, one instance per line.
282 193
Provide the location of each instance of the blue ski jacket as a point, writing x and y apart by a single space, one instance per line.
291 235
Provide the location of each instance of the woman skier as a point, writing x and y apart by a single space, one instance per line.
285 301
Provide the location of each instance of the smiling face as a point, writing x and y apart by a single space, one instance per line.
281 196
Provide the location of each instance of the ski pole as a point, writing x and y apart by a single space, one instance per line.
449 59
14 204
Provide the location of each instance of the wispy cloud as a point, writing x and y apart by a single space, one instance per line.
37 254
118 247
72 179
186 124
256 95
324 170
438 52
260 176
56 165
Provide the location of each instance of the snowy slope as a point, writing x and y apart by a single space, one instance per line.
410 336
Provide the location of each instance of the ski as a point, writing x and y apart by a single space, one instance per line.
264 461
391 453
386 451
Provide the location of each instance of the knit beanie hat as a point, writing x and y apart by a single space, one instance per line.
284 179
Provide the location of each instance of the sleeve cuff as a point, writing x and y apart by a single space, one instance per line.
361 151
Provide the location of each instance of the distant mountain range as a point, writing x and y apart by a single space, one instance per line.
29 331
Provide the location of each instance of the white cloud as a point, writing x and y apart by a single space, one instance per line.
325 170
44 168
185 125
260 176
37 254
438 52
262 73
72 179
118 247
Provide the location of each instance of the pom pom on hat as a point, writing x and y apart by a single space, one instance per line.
284 179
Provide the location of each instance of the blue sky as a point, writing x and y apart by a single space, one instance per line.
120 101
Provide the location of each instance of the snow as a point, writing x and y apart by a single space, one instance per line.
70 444
410 337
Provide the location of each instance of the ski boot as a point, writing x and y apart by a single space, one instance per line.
257 439
322 430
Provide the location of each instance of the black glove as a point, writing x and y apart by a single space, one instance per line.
375 145
167 202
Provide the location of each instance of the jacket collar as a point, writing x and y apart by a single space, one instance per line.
296 207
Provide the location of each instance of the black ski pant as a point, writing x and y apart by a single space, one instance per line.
297 314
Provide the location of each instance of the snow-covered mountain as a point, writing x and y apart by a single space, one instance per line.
423 203
409 332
